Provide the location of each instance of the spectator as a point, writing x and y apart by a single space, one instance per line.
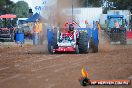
87 24
98 25
36 31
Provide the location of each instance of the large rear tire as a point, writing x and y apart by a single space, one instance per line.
123 38
54 39
83 42
53 45
49 48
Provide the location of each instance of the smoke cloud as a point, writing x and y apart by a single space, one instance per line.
57 16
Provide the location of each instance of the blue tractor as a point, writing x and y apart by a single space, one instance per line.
115 28
73 39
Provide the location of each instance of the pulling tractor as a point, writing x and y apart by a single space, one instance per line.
72 39
7 30
115 29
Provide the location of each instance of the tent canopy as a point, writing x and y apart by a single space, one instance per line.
34 17
8 16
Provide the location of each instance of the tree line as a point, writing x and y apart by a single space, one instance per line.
20 8
108 4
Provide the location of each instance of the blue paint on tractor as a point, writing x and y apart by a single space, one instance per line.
95 36
49 35
49 38
115 16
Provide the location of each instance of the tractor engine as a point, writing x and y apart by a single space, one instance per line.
67 39
69 35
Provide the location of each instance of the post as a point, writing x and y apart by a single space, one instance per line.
72 11
87 3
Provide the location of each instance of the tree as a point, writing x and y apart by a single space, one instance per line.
90 3
117 5
111 4
108 4
122 4
21 9
5 6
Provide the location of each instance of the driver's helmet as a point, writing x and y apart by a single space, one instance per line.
71 27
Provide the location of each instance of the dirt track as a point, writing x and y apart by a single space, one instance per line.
32 67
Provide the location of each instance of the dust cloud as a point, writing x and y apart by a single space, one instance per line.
57 16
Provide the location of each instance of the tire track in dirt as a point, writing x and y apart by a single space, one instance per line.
76 61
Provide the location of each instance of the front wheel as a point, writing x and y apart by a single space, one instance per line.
54 39
77 49
83 42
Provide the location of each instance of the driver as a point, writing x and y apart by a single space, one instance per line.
71 27
117 24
